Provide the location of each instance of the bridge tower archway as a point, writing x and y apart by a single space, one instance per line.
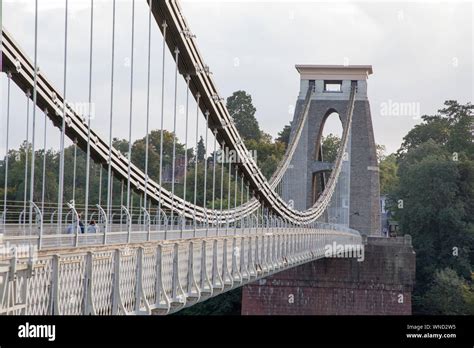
332 86
325 151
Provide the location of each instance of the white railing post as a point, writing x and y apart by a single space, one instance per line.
88 305
39 216
104 219
129 223
76 224
54 294
146 220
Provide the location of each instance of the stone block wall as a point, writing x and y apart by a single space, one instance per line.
380 285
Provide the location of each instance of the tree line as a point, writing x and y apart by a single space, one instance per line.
430 184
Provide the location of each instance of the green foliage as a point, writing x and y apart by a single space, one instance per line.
433 212
436 185
121 145
380 149
16 159
242 111
200 186
449 128
448 294
284 135
201 150
229 303
330 146
16 173
388 174
269 153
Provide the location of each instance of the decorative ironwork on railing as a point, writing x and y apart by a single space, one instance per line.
158 277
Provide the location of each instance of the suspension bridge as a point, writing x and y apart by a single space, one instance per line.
173 240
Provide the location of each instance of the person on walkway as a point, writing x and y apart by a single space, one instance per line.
81 224
92 227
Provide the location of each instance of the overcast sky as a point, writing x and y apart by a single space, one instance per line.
421 53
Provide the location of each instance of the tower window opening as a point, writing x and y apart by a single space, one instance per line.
332 86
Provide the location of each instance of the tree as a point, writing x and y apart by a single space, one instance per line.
434 212
448 294
229 303
268 153
16 172
388 174
154 143
380 152
201 150
449 128
330 146
121 145
284 135
461 118
436 188
242 111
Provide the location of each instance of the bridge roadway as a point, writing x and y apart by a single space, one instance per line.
157 276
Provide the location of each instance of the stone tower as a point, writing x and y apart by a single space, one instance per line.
332 84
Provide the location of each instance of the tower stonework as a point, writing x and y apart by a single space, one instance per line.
382 284
332 85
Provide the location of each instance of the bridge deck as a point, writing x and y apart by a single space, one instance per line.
157 277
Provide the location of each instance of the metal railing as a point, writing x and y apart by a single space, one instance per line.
156 277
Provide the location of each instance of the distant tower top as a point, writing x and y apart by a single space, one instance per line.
332 82
335 72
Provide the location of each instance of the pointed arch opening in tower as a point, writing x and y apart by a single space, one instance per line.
325 151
